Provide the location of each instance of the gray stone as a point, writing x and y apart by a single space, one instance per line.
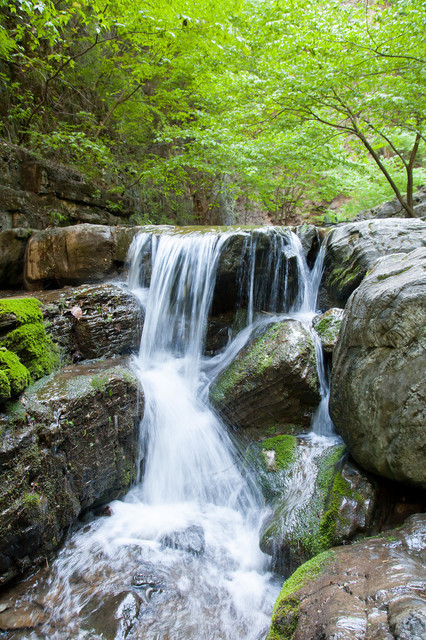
272 384
378 380
368 590
327 325
190 540
68 445
353 248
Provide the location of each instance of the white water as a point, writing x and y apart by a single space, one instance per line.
191 471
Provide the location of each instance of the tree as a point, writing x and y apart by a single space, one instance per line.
356 69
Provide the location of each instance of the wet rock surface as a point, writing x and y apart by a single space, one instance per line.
319 499
378 385
92 321
353 248
69 444
272 383
327 325
190 540
371 590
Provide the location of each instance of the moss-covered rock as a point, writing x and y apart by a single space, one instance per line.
327 325
285 618
273 381
70 443
370 589
279 452
15 312
34 348
339 505
14 376
353 249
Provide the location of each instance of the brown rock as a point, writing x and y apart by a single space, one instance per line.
371 590
12 252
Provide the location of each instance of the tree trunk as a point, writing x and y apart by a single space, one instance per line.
409 169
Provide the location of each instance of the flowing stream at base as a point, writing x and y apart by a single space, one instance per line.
179 557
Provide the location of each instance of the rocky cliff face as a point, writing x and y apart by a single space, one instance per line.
36 193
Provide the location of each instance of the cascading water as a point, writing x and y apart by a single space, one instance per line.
179 557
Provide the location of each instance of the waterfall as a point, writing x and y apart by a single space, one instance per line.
179 557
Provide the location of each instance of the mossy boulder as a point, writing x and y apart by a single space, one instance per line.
338 504
14 312
69 444
34 348
272 385
327 325
286 615
370 589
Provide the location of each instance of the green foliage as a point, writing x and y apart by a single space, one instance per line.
188 106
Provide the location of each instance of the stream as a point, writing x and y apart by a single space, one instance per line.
179 557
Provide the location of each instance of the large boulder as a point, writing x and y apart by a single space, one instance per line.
76 255
272 384
353 248
369 590
378 380
68 445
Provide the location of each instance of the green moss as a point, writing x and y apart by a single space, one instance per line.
24 310
285 447
5 388
31 499
314 529
287 607
328 327
14 376
34 348
341 277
